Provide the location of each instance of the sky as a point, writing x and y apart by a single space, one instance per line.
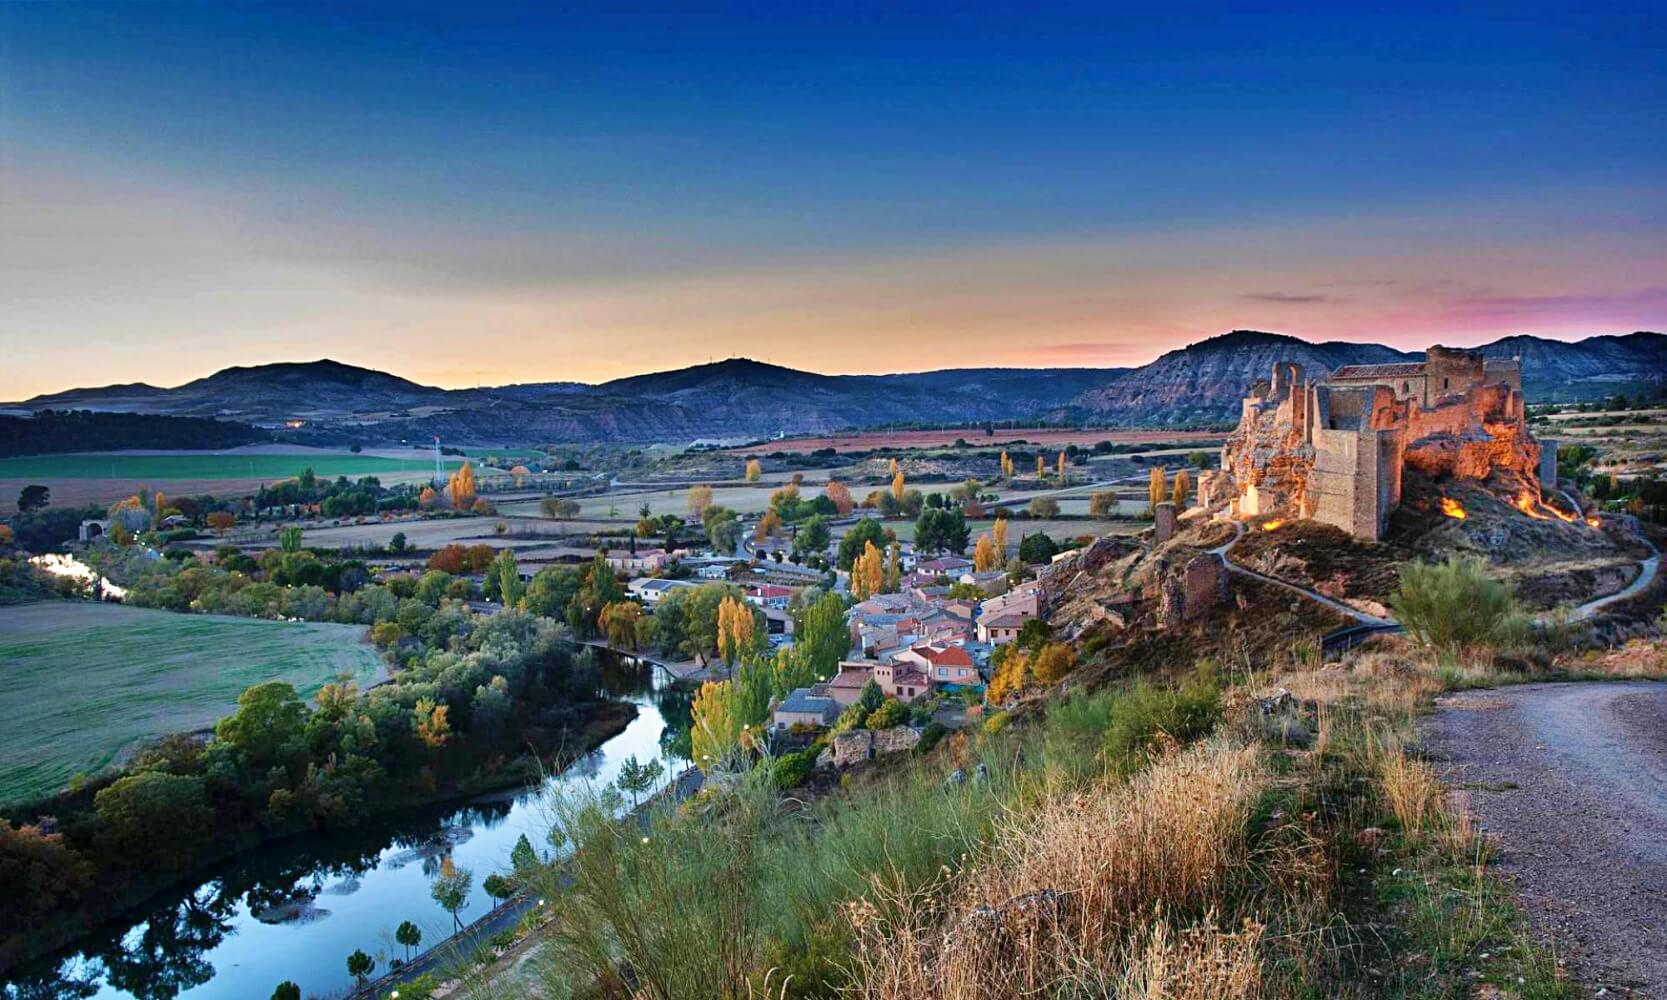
477 194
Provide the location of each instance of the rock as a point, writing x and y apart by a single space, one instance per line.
1193 591
956 779
1278 703
981 773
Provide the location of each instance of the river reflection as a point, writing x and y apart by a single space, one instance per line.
295 910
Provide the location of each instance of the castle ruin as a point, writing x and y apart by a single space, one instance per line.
1335 450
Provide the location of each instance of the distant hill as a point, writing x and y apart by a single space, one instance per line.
739 397
1204 382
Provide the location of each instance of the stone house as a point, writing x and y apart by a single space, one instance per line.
806 706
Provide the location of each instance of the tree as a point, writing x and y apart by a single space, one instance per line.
221 521
523 860
451 888
890 713
1053 662
735 629
430 723
698 499
1041 467
498 886
1156 487
619 623
636 778
159 817
897 485
723 528
287 990
984 556
1044 507
1102 503
866 530
892 468
939 530
268 729
894 566
510 587
1006 465
558 508
840 494
410 935
1037 548
462 486
755 469
33 498
1183 489
360 966
1000 532
768 526
813 536
715 733
1062 468
397 543
428 499
867 574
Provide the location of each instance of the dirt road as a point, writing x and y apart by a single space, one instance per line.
1572 778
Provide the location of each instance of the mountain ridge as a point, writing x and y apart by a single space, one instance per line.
1199 383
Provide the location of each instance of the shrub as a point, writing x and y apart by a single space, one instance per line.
929 738
1182 715
1452 606
890 713
792 769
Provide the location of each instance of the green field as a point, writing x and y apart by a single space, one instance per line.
80 683
160 468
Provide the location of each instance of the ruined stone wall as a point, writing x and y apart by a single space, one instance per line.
1450 371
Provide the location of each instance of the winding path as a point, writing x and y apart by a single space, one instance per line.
1338 606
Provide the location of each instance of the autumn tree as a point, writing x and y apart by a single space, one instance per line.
1156 487
619 623
984 556
736 629
1183 489
897 485
1062 468
755 469
1006 465
1000 532
867 573
892 468
1053 662
462 486
427 499
1102 503
768 526
699 498
430 723
559 508
1043 507
715 731
1041 467
1011 671
840 494
221 521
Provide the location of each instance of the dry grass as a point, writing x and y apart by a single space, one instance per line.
1412 791
1086 891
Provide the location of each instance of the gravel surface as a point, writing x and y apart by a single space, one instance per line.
1572 779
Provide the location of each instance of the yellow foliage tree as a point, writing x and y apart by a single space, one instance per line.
699 498
755 469
867 573
1000 532
897 484
1010 676
1041 467
1053 662
715 733
840 494
619 622
786 495
427 498
221 520
735 629
462 485
431 723
1061 465
768 525
892 468
984 556
1183 489
1156 487
1006 465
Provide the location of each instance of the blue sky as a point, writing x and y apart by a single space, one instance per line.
482 193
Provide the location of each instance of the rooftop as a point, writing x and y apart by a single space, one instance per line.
1400 369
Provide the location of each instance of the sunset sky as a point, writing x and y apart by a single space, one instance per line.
479 194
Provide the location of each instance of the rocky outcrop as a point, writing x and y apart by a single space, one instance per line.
1192 591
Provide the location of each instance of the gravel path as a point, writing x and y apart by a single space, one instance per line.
1572 778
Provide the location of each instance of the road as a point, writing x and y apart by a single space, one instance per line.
1572 778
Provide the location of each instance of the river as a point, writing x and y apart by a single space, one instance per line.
295 910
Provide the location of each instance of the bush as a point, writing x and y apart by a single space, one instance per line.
890 713
1182 715
1452 606
792 769
929 738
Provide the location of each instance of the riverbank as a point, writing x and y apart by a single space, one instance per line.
604 720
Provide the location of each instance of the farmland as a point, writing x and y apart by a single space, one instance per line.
101 478
82 683
975 437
